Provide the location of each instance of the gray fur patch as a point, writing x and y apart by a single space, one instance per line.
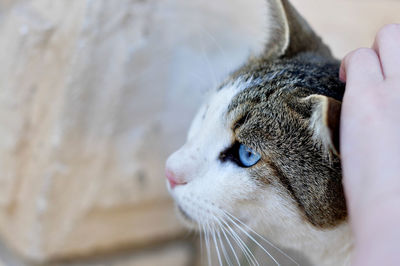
271 118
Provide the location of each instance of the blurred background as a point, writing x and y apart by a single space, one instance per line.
95 94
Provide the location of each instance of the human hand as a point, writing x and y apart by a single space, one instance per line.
370 147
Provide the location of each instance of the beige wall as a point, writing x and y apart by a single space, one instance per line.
348 24
93 97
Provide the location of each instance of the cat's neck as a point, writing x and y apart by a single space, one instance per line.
329 247
325 247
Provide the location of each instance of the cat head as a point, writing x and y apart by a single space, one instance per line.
264 147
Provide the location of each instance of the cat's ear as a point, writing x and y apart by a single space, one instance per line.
325 121
290 34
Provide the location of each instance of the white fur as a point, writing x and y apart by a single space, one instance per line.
213 186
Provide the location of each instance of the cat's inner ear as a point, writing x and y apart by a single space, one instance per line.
289 33
325 121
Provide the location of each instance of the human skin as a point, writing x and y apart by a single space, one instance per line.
370 148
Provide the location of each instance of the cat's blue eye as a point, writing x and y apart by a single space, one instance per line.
247 156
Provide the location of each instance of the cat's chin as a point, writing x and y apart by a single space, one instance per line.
186 219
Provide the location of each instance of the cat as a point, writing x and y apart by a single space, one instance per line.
263 151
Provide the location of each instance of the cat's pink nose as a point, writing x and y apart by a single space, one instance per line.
173 179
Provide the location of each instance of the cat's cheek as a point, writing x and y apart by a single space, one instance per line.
217 190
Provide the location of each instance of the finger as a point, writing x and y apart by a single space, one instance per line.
387 46
361 69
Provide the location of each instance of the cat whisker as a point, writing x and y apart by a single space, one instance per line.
242 245
262 238
201 241
216 244
251 238
209 233
212 228
210 68
206 239
219 47
249 256
230 244
224 252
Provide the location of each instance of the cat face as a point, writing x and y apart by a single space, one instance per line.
212 184
265 109
264 147
206 178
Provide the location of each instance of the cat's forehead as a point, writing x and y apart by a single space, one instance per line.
213 115
219 101
224 98
226 103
